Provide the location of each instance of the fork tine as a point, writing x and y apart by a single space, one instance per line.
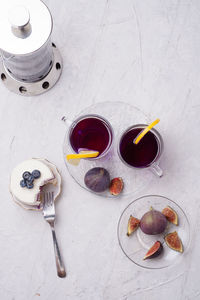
45 199
52 197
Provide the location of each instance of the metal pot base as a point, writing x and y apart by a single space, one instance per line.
33 88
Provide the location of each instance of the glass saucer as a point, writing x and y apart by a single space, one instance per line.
136 246
121 116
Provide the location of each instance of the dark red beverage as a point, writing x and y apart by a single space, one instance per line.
142 154
92 133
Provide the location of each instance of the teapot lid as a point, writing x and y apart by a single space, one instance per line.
25 26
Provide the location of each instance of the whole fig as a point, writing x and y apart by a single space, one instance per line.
153 222
97 179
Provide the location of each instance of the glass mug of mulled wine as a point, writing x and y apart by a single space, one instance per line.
146 153
91 132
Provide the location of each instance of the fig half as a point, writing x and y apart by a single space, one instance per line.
116 186
153 222
133 224
154 251
170 214
174 242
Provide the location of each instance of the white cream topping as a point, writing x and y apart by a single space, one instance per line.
25 195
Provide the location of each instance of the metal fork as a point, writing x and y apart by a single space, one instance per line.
49 216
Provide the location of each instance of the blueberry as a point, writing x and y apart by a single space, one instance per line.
36 174
23 183
26 175
29 185
30 179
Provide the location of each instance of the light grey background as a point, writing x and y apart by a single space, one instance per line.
142 52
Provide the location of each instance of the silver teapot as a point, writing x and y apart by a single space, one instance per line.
30 63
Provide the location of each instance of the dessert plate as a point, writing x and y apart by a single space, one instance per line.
136 245
48 187
121 116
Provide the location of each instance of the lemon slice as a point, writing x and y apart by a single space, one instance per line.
74 159
142 134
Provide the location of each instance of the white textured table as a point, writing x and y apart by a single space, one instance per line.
142 52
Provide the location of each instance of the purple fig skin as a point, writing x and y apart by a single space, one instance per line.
97 180
153 222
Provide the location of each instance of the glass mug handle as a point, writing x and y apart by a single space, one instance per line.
156 170
67 121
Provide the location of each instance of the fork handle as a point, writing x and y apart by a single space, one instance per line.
59 264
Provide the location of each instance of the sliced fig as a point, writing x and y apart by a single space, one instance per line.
116 186
133 224
174 242
154 251
170 214
153 222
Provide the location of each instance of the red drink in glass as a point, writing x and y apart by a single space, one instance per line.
146 153
91 132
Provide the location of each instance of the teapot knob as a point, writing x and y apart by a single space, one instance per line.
19 19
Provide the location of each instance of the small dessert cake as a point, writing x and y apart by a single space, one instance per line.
28 178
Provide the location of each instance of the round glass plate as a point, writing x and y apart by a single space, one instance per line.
121 116
136 245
